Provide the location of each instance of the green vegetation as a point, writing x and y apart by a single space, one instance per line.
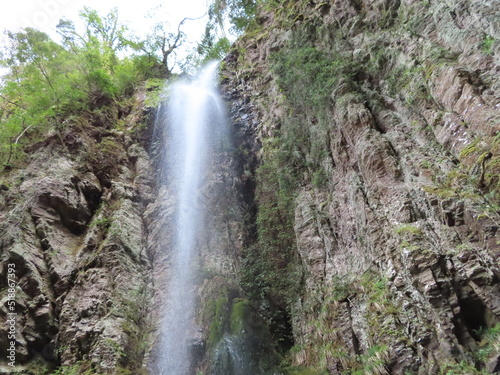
114 347
299 370
271 275
476 177
310 71
470 148
293 155
228 316
211 48
373 362
105 157
320 178
308 75
322 344
154 89
461 368
240 314
488 44
407 79
408 229
102 222
215 44
268 269
490 342
239 13
217 312
49 84
80 368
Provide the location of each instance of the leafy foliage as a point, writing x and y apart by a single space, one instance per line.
238 12
270 273
490 342
80 368
307 75
215 44
47 82
210 48
488 44
267 266
42 83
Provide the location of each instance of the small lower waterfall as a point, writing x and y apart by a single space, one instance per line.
193 119
230 357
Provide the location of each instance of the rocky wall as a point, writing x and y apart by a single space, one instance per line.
383 118
72 229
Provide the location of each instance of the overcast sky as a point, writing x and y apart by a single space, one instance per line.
45 14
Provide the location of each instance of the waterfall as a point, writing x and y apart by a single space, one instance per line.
193 119
231 358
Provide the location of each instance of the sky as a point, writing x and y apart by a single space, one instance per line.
44 15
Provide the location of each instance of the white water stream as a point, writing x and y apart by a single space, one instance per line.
193 115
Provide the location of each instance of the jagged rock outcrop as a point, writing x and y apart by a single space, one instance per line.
379 166
72 225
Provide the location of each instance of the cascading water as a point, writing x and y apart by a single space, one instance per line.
193 119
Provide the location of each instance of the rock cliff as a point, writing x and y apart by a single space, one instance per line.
376 182
72 226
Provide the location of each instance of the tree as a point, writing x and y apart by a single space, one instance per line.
239 13
212 48
97 46
215 44
160 46
40 84
33 59
46 81
105 32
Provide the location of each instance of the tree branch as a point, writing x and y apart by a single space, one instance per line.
22 133
8 101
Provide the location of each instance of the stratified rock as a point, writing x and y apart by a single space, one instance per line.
378 122
78 248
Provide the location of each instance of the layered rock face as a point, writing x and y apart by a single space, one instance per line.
377 182
72 227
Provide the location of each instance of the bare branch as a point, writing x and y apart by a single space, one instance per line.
22 133
179 33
